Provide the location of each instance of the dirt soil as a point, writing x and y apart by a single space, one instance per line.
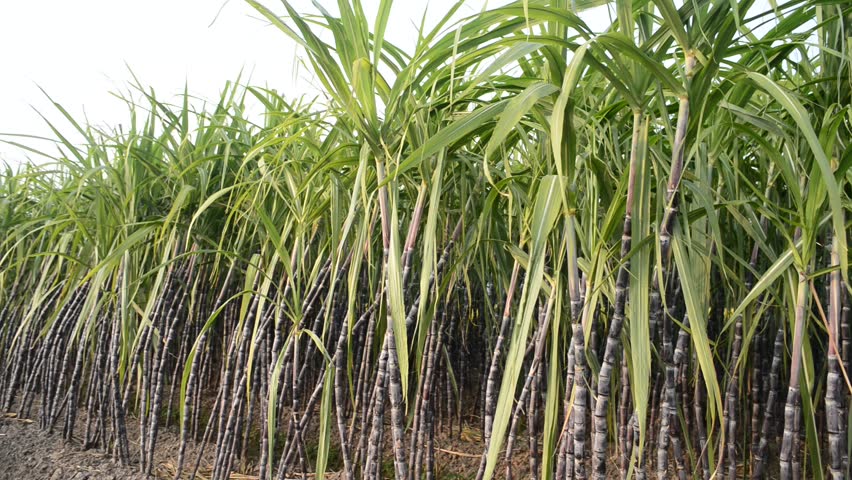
26 453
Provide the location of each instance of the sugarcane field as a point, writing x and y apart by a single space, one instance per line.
524 248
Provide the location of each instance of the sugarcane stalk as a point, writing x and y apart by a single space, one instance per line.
297 428
788 463
613 339
565 464
396 401
532 423
428 404
191 405
535 364
90 436
430 444
238 402
339 399
624 420
74 382
418 424
761 460
756 390
208 430
639 459
729 414
846 347
657 317
24 354
494 367
833 386
371 466
845 332
393 374
491 383
680 356
171 320
121 444
180 361
578 339
657 389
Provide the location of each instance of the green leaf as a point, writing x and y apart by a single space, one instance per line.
695 295
395 297
515 110
640 286
449 134
673 21
800 116
325 417
561 125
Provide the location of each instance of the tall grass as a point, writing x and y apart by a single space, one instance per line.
603 231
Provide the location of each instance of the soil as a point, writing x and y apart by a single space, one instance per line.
29 453
26 453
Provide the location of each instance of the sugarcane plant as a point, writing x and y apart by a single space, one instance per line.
524 248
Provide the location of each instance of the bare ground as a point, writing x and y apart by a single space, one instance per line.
29 453
26 453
